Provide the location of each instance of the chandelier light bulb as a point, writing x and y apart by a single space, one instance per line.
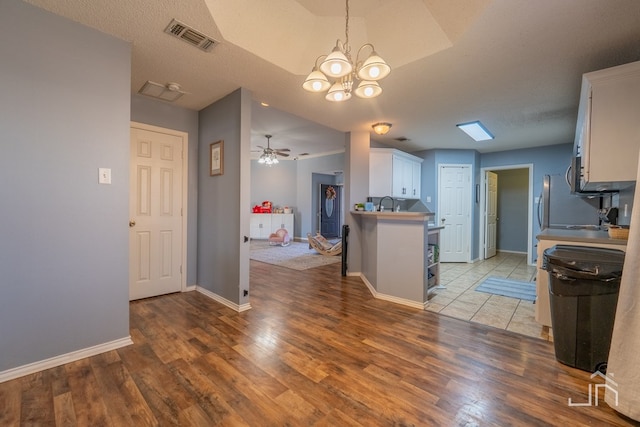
368 89
316 81
374 68
336 64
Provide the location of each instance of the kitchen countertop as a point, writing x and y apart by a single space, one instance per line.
396 215
584 236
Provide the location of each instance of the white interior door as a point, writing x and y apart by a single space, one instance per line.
491 214
454 211
155 208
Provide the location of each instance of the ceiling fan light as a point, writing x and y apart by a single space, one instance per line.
374 68
316 82
336 64
368 89
337 93
381 128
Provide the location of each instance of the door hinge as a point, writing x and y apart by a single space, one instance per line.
180 269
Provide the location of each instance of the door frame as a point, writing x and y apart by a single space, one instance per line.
185 189
483 207
485 225
469 230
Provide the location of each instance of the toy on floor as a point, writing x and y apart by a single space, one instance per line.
280 237
323 246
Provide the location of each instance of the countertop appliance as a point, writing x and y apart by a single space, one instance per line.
559 208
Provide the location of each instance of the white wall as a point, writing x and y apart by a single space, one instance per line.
64 112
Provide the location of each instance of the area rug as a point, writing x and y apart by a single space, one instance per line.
296 256
509 288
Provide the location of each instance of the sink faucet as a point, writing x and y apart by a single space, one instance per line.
392 203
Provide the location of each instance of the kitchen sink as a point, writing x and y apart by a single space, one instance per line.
584 227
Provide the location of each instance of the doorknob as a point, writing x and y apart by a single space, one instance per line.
132 223
443 219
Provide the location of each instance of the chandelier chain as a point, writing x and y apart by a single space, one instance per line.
347 47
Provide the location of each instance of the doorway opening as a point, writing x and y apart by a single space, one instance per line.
511 224
328 203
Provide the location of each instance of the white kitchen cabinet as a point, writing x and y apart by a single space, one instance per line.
262 225
394 173
608 130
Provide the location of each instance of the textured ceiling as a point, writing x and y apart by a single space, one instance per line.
514 64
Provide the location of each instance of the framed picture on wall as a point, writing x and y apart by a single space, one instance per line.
216 158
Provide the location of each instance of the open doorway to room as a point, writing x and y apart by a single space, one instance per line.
327 203
506 223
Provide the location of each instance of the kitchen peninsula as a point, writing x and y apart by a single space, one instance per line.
400 255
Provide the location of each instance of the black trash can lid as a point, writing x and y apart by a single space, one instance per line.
594 262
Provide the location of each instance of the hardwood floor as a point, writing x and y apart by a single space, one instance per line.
315 349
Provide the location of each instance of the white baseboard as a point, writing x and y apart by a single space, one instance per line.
63 359
511 252
189 288
223 301
391 298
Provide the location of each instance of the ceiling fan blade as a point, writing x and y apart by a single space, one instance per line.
260 146
282 149
282 154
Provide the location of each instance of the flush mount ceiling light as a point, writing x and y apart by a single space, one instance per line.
169 92
339 67
381 128
476 130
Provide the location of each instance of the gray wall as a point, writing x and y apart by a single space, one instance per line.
223 215
64 112
158 113
306 216
552 159
289 183
513 202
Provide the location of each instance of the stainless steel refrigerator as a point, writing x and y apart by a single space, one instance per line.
558 208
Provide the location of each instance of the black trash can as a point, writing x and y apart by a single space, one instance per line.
583 293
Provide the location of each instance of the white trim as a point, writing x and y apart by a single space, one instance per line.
483 183
391 298
185 190
230 304
63 359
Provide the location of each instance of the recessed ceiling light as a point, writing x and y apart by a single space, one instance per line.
264 104
476 130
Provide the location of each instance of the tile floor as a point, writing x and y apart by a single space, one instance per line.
460 300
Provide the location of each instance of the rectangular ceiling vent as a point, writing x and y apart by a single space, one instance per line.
189 35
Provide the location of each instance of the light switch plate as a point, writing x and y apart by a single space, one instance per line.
104 175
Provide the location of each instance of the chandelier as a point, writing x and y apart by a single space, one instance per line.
339 66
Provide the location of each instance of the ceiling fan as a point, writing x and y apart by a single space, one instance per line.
269 155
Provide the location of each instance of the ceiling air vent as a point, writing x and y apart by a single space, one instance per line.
189 35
